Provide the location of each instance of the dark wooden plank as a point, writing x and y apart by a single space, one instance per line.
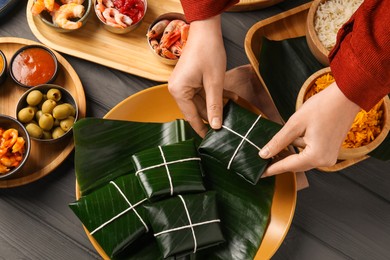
347 218
342 215
37 216
371 177
299 244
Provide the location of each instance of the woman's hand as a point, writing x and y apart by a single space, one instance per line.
197 81
319 127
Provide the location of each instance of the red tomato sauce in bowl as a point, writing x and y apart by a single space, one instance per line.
33 65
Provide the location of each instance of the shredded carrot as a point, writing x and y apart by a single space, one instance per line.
366 126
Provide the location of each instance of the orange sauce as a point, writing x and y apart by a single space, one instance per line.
33 66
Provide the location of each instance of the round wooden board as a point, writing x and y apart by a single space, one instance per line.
44 158
164 109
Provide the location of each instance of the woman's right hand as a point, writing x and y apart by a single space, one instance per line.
197 80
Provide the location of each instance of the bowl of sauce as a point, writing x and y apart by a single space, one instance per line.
3 67
33 65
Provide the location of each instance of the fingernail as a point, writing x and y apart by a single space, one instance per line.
264 152
216 122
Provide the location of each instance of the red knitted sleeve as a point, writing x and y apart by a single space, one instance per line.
360 61
203 9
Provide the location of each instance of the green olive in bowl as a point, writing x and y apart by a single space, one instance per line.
48 112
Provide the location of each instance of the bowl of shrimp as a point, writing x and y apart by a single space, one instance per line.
15 146
120 16
167 36
62 15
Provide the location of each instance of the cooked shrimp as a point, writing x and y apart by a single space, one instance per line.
79 2
108 3
155 45
3 169
49 5
157 29
176 48
37 7
109 14
184 31
123 20
65 12
19 145
168 54
10 161
171 33
99 7
9 138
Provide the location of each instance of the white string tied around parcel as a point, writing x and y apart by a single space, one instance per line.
191 225
165 164
132 207
244 138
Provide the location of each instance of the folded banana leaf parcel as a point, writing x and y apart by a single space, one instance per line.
113 201
169 170
237 144
185 224
114 214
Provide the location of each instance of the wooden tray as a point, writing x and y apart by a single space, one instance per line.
129 53
44 158
285 25
165 109
250 5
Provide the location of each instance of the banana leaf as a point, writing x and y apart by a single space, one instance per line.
185 223
244 208
284 66
237 144
169 170
116 208
103 148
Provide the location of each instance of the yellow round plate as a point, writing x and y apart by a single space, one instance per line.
157 105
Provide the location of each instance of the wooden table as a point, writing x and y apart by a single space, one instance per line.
341 215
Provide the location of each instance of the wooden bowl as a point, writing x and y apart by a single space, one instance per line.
120 30
66 98
29 61
7 122
350 153
314 43
47 19
168 16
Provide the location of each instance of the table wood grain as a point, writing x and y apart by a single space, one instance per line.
341 215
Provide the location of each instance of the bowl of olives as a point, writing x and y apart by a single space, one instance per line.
48 112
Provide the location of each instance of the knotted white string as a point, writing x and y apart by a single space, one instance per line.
166 167
244 138
165 164
188 226
132 207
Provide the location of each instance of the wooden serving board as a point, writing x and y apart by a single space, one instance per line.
250 5
44 158
285 25
129 52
